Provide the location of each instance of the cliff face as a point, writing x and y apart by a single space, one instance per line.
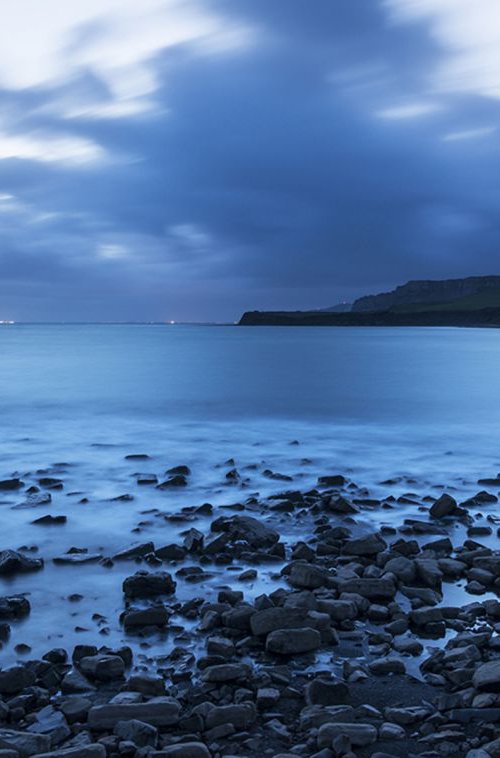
422 292
483 317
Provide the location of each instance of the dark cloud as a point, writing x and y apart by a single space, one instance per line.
266 177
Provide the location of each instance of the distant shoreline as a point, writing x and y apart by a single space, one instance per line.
487 317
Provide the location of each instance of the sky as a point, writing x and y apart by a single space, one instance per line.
193 159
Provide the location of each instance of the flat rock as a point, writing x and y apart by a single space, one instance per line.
13 562
135 618
161 712
143 584
246 528
487 676
135 551
293 641
184 750
360 735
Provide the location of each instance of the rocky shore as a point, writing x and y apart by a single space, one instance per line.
378 638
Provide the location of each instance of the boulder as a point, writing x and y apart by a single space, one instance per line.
13 562
14 607
372 589
322 691
15 679
135 551
104 668
143 584
444 506
239 716
307 576
136 618
247 529
183 750
160 711
82 751
487 676
359 734
293 641
268 620
369 544
25 743
138 732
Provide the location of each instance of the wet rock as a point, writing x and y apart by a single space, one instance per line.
52 723
143 584
178 480
370 544
25 743
487 676
239 716
193 540
8 485
160 712
138 732
136 551
225 672
104 668
360 735
332 480
13 562
171 553
77 558
146 480
444 506
307 576
135 618
183 470
74 683
49 520
382 666
270 619
372 589
322 691
15 679
293 641
14 607
51 483
246 528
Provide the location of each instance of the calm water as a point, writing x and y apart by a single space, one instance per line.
371 402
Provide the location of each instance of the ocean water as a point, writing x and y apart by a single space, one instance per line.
371 403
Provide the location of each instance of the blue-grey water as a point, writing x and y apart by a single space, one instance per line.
369 402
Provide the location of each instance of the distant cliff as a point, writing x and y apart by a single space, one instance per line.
482 317
473 293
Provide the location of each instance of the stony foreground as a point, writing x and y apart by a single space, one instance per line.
357 653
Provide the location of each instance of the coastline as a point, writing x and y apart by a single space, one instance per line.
487 317
332 618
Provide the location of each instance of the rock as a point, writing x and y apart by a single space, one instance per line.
246 528
307 576
225 672
444 506
104 668
52 723
14 607
372 589
137 618
403 568
77 557
193 540
239 716
49 520
160 711
83 751
148 684
12 562
184 750
25 743
143 584
340 505
75 708
487 676
360 735
138 732
74 683
7 485
370 544
293 641
15 679
323 691
178 480
270 619
267 697
171 553
136 551
381 666
391 732
332 480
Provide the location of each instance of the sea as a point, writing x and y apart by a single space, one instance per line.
420 406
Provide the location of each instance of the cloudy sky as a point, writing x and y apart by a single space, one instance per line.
191 159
